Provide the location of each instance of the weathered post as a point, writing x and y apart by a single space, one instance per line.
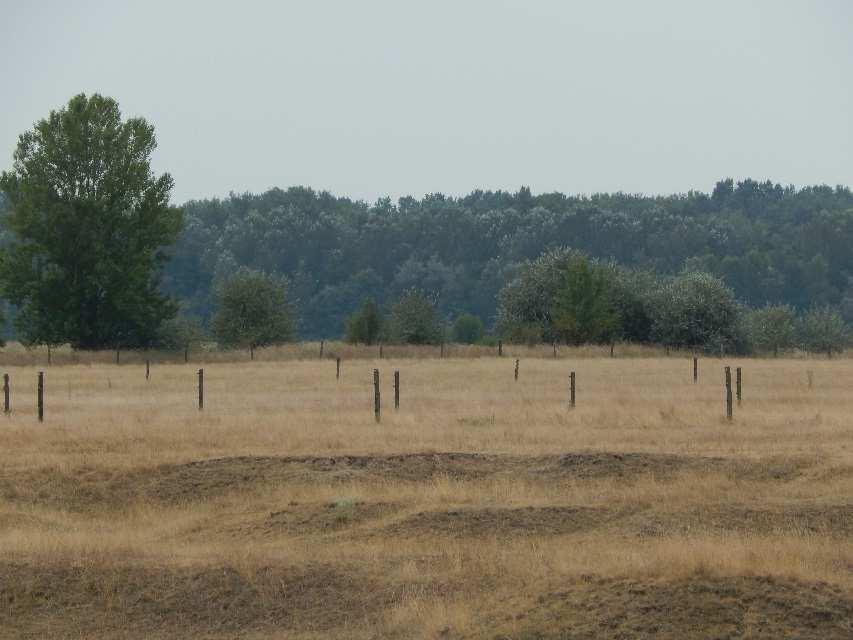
396 390
739 387
376 401
338 368
516 370
7 395
201 389
572 390
41 396
500 348
695 369
147 369
322 344
728 393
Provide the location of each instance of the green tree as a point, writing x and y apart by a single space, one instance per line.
181 333
468 329
771 328
253 311
89 223
695 310
414 320
365 325
583 310
822 330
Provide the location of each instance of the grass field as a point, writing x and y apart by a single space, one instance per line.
483 508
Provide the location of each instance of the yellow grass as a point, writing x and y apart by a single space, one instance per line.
106 425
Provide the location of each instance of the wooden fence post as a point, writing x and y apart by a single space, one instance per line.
500 348
322 344
728 393
695 369
338 368
147 369
396 390
201 389
516 370
377 406
442 350
555 351
41 396
7 395
118 355
380 351
739 383
49 356
572 390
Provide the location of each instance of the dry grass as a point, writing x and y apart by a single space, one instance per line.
308 519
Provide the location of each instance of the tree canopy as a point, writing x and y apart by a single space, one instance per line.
88 225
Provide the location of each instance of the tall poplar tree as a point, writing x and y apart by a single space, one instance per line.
90 223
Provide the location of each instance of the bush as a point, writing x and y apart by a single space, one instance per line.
468 329
772 328
822 330
414 320
365 325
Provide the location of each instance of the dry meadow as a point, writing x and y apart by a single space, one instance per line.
483 508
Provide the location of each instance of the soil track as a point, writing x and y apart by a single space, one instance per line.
206 479
702 607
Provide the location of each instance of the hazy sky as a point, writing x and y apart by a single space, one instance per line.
368 98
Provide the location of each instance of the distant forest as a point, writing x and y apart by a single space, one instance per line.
771 244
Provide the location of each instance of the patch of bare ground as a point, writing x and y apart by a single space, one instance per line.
84 488
70 601
700 607
503 522
835 520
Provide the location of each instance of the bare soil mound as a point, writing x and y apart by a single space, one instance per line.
70 601
703 607
499 523
205 479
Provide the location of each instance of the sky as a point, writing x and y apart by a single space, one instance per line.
374 98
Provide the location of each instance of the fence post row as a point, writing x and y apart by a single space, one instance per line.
376 401
201 389
396 390
728 393
41 396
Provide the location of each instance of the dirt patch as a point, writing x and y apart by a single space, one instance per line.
703 607
71 601
173 484
500 523
834 520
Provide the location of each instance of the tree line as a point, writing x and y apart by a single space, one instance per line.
95 255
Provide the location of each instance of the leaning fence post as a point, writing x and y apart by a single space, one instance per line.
728 393
739 383
516 369
7 395
376 400
396 390
338 368
695 369
41 396
201 389
572 389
